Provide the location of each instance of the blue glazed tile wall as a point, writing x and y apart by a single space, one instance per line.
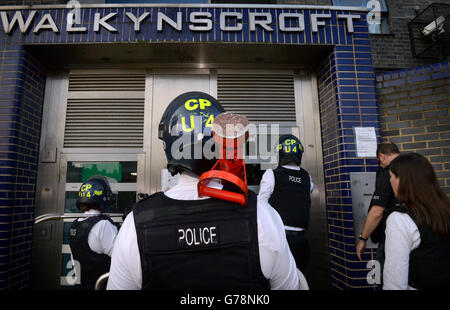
21 96
347 97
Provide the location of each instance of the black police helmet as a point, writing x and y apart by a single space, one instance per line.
185 127
290 150
95 193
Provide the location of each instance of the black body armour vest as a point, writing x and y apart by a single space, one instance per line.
291 196
92 264
429 263
198 244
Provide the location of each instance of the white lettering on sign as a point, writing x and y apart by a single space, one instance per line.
197 236
201 18
229 15
315 22
262 19
101 21
17 18
196 21
163 17
137 21
299 17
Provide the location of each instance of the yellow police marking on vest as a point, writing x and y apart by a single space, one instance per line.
193 104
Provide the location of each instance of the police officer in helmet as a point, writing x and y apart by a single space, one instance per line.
288 190
178 240
91 239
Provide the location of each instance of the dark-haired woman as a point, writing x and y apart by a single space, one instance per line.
417 233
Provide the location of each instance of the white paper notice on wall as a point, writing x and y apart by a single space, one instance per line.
366 142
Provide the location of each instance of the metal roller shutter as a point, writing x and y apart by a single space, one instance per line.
261 97
105 110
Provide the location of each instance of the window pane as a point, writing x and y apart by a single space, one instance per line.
349 2
360 3
384 25
79 172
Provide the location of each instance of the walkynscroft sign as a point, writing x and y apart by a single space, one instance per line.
197 21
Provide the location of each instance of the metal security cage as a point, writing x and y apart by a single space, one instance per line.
429 32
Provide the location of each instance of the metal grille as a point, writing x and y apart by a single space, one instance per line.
106 82
105 110
260 97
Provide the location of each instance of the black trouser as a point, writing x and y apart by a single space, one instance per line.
299 246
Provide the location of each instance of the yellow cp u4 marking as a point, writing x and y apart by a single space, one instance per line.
290 142
191 127
85 187
194 104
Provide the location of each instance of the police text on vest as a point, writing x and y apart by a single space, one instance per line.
197 236
295 179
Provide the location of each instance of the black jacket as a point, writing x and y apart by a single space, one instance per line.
291 196
92 264
383 197
429 263
198 244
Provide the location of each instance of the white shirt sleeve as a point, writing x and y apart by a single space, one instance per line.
125 272
267 185
402 236
101 237
277 263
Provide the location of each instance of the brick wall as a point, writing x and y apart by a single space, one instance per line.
414 109
390 51
393 51
22 80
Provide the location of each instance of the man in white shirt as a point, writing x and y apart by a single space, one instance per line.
92 239
178 240
288 189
